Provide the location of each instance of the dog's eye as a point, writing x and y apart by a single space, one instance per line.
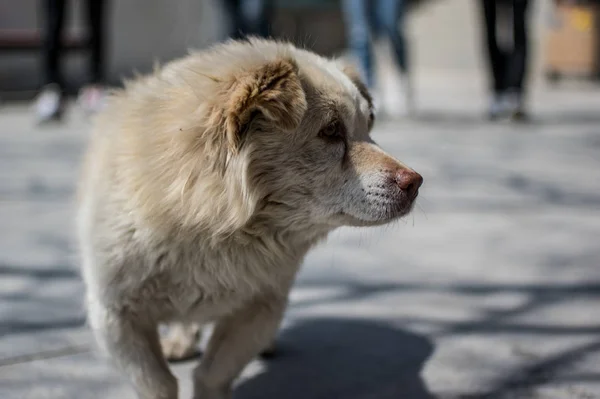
333 132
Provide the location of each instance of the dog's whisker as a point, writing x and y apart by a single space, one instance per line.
422 210
423 198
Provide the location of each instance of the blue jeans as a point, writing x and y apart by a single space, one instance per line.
248 17
386 18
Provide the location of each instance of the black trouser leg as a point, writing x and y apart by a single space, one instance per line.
96 11
517 67
256 17
236 28
54 16
497 58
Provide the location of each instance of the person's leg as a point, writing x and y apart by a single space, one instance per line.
49 104
96 12
54 13
232 11
496 58
256 17
266 16
390 17
518 61
92 96
358 34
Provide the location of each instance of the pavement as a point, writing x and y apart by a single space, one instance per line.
490 289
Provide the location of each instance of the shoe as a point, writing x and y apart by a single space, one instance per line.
397 98
409 94
49 104
92 99
520 116
516 107
498 107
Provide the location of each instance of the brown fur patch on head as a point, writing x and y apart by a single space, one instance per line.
273 92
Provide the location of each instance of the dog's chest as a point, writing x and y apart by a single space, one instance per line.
209 280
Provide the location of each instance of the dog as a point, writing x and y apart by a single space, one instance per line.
204 186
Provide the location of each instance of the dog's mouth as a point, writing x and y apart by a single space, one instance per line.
379 213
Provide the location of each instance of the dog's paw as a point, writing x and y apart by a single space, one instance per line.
175 348
181 342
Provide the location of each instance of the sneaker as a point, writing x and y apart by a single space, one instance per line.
396 93
409 95
92 98
520 115
498 107
516 107
49 104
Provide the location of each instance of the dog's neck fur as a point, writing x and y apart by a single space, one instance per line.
271 223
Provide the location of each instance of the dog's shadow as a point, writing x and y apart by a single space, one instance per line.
342 358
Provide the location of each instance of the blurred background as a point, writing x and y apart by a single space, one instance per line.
489 289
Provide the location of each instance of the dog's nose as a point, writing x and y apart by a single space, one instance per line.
409 181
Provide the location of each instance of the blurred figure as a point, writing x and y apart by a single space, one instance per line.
508 66
49 104
248 17
362 18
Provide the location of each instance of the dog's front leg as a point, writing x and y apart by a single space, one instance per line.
236 339
134 345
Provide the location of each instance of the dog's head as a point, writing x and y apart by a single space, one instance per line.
286 136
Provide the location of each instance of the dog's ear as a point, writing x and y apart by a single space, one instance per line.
273 91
